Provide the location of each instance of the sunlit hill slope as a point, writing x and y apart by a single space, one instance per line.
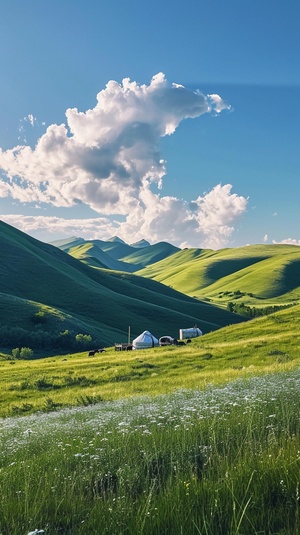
264 273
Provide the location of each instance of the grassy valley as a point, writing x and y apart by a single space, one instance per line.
256 275
38 278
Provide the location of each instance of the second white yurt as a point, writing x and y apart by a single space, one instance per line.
193 332
144 341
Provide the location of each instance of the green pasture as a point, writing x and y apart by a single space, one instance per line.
256 347
202 438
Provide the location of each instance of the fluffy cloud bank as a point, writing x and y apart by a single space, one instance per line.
109 159
287 241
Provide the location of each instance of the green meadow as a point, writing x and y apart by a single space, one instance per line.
203 438
260 346
225 460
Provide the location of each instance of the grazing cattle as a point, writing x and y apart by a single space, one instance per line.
94 351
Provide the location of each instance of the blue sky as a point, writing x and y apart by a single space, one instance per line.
151 160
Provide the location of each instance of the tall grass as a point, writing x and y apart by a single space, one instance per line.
221 461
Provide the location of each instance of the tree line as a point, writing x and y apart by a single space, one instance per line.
67 341
255 312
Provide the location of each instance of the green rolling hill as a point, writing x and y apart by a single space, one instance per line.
69 295
257 275
92 255
263 273
147 256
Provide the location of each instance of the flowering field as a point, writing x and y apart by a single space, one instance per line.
225 460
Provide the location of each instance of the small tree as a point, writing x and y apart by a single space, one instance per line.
83 338
26 353
16 353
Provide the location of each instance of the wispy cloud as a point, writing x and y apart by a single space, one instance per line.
31 119
27 120
109 158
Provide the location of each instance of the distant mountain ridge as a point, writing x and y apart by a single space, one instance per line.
115 253
141 243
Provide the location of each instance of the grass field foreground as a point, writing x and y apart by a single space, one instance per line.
221 461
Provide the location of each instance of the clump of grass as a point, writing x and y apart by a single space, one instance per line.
207 356
84 401
50 405
21 409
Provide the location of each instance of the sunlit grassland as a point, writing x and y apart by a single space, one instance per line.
198 439
267 272
220 461
256 347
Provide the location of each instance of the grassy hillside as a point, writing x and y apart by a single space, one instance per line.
151 254
271 273
215 462
93 256
67 243
260 346
98 301
115 248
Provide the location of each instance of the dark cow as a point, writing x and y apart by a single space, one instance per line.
94 351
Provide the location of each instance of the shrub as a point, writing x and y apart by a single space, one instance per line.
42 383
20 409
83 338
16 353
26 353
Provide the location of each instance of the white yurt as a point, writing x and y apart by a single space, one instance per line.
192 332
144 341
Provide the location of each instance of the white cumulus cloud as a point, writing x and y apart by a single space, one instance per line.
109 158
287 241
206 222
